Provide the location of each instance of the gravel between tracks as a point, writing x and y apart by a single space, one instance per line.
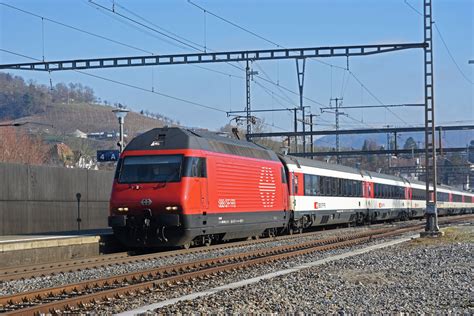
414 277
18 286
225 278
359 285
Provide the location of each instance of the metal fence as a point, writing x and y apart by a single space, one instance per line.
37 199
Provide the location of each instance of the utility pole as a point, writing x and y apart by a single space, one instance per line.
389 156
296 128
336 114
248 77
300 66
432 228
311 124
388 138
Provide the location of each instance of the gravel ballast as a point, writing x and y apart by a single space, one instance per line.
18 286
419 276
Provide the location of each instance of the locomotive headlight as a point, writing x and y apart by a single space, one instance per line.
122 209
171 208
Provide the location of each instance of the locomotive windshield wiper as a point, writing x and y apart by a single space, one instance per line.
168 178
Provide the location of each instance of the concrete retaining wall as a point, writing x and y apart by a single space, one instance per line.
37 199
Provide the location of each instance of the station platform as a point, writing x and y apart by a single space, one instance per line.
49 247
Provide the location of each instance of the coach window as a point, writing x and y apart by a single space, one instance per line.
327 186
307 184
315 184
311 185
335 185
324 185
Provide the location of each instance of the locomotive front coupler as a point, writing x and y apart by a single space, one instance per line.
147 217
160 232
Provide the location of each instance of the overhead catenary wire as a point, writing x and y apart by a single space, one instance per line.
281 46
184 39
444 44
75 28
375 97
451 55
234 24
269 92
122 44
141 49
129 85
107 38
185 43
278 84
104 37
159 27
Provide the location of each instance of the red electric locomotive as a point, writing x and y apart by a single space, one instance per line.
180 187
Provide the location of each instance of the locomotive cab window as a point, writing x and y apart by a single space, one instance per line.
149 169
195 167
283 175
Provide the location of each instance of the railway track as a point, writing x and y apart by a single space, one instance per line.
31 271
89 295
54 268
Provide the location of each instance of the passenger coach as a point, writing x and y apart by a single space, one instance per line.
328 194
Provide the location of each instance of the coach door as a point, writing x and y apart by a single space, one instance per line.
368 194
409 197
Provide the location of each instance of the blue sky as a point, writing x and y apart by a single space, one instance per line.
393 77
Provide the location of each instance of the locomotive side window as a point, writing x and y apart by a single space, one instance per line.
119 167
283 175
195 167
147 169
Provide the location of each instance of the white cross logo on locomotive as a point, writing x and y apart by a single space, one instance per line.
267 187
146 202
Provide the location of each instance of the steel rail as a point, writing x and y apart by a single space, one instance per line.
84 293
29 271
34 297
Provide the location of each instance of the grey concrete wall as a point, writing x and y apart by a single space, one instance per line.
37 199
